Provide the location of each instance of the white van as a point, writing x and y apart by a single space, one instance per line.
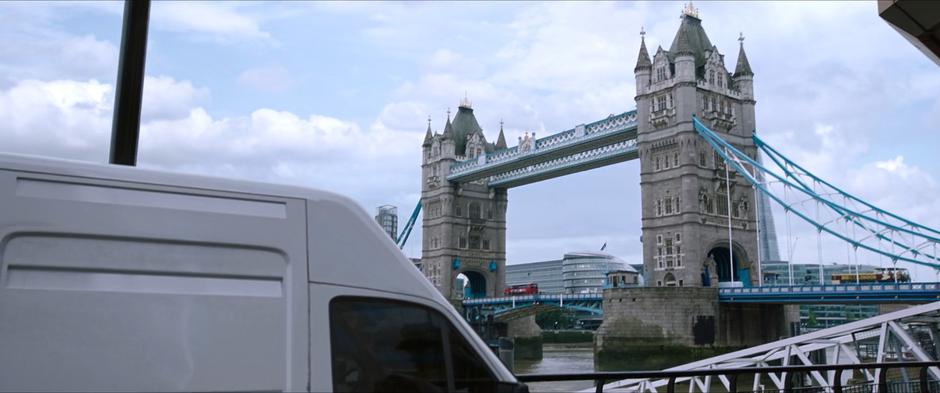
124 279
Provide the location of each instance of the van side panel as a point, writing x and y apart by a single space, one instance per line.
122 286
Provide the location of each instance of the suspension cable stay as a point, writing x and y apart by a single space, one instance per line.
907 241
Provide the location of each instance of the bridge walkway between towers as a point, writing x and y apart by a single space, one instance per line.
588 146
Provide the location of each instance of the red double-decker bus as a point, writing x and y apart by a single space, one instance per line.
521 289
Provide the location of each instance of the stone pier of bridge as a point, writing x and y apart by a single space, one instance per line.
684 322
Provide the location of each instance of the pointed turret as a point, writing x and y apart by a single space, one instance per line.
428 135
501 139
448 128
643 60
743 68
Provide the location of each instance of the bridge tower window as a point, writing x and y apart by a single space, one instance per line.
462 242
458 210
722 206
668 205
475 242
474 210
657 163
486 244
675 159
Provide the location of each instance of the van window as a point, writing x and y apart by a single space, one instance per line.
381 345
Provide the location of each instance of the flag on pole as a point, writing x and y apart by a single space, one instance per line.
604 246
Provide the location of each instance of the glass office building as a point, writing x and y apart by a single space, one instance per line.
387 217
586 272
819 316
546 274
577 272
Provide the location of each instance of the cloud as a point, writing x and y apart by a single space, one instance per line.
66 57
218 22
166 98
270 79
71 119
60 118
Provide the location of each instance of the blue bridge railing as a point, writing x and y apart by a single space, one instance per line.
544 298
834 293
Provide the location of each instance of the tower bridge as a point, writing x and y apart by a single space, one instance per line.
688 196
705 205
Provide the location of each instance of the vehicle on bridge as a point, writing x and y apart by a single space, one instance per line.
521 289
881 275
124 279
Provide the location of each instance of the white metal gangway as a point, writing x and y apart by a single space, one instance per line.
884 338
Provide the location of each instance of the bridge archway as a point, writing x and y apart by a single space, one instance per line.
718 257
476 284
669 280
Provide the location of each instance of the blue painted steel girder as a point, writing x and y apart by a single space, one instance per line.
580 162
599 139
592 303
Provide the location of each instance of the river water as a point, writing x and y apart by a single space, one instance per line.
579 358
558 359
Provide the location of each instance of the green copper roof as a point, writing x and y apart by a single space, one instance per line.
691 38
465 124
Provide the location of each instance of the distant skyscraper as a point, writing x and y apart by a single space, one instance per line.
769 248
387 217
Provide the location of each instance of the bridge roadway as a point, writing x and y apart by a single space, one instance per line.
877 293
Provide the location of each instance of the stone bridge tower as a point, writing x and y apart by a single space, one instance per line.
685 199
464 225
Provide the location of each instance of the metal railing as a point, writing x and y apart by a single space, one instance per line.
535 298
828 288
732 375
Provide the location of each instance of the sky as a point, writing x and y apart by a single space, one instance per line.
336 96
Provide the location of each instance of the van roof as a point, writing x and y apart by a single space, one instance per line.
342 230
38 164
